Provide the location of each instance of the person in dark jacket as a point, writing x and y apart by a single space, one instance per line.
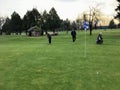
73 34
49 38
99 38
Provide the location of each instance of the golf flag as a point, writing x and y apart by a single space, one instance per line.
85 25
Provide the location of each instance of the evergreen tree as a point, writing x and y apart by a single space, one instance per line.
37 18
65 25
118 10
6 28
112 24
55 21
32 18
16 23
45 21
25 24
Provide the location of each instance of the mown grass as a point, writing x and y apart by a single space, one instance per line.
30 63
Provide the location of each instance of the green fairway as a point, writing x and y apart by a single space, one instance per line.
30 63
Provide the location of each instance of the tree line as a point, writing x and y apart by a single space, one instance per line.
47 21
50 21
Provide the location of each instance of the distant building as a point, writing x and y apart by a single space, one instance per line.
34 31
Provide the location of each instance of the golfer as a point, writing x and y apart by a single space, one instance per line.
49 38
73 34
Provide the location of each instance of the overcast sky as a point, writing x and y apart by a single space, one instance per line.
65 8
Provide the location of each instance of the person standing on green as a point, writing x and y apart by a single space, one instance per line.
49 38
73 34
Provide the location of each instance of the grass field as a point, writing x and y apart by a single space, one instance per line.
30 63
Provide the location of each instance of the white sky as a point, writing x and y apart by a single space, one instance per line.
65 8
